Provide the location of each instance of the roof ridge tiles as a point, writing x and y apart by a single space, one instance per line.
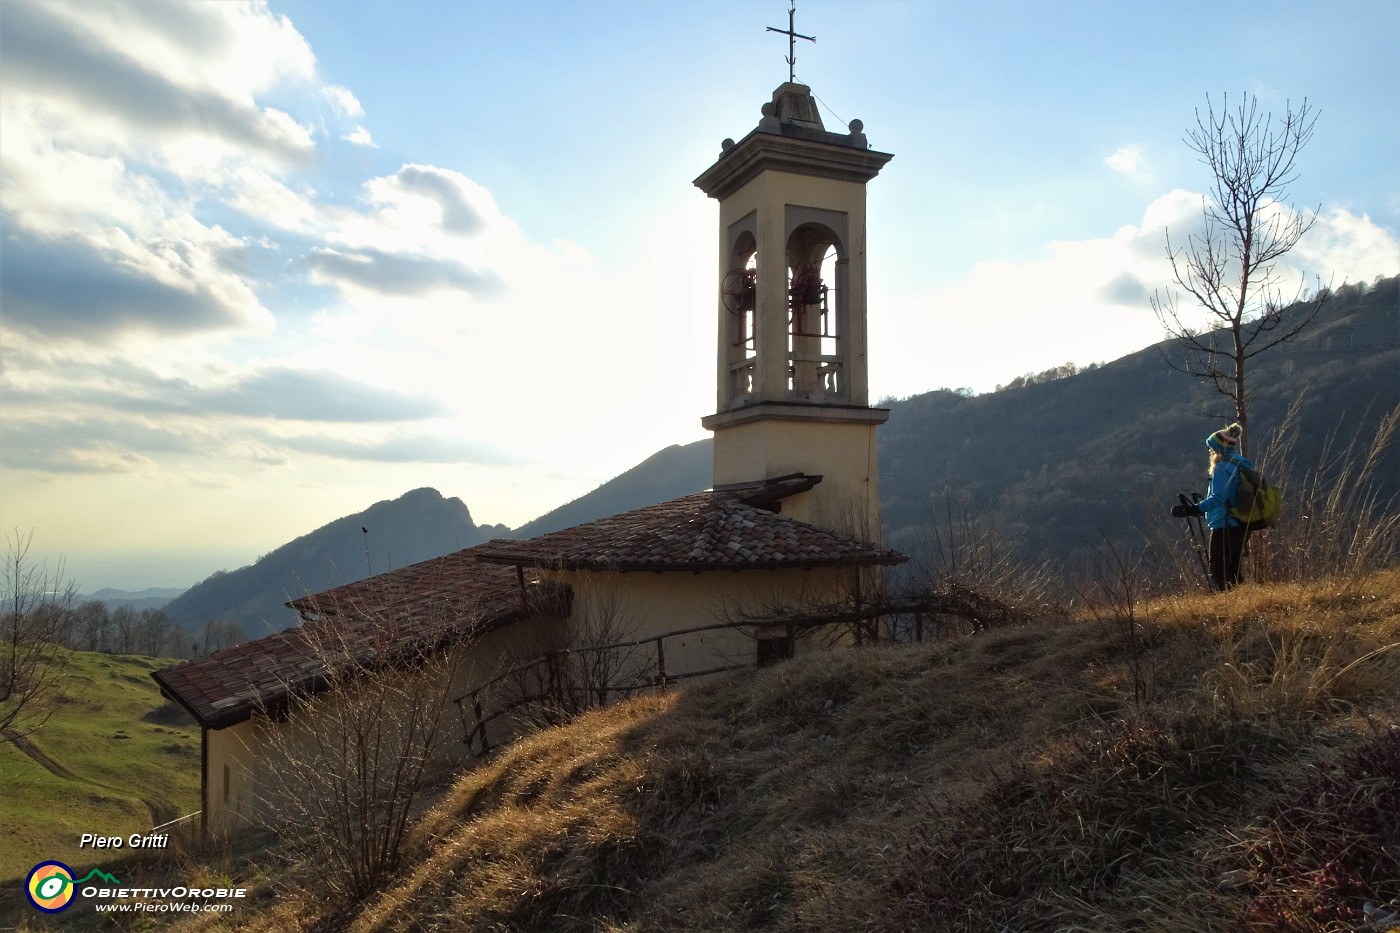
710 530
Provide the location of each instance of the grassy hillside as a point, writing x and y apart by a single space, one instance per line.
114 759
1213 764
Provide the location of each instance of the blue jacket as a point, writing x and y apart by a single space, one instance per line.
1224 488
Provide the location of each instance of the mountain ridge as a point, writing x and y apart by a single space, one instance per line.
416 526
1055 466
152 597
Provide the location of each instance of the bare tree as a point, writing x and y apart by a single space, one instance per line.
1229 268
569 670
351 760
222 633
94 626
36 624
126 622
158 635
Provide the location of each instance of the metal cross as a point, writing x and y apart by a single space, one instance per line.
792 35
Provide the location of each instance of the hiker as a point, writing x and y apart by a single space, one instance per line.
1227 534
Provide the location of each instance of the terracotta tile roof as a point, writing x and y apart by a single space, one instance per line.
717 530
468 592
430 603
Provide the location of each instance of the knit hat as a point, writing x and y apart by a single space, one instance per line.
1227 440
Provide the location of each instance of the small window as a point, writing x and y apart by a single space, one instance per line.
226 785
773 650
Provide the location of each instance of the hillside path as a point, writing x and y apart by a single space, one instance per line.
160 810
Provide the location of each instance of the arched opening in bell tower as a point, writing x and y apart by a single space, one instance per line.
816 315
739 294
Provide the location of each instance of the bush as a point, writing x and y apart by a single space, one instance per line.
1323 855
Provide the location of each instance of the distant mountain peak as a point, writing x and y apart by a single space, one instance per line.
418 525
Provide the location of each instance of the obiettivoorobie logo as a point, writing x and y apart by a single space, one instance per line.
51 886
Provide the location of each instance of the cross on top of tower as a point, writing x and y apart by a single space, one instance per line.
793 35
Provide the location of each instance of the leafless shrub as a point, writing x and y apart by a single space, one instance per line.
560 674
1114 589
1337 524
349 763
958 549
36 619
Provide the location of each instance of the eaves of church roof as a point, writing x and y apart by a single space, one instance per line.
418 608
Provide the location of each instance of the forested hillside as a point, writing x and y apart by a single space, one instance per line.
1056 465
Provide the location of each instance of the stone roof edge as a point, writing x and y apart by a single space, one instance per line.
881 557
171 693
310 683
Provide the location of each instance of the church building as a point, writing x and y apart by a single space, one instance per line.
772 561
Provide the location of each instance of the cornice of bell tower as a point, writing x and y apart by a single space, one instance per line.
782 142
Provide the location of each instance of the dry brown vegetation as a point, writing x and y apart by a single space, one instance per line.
1020 779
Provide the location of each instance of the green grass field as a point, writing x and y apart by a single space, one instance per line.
119 761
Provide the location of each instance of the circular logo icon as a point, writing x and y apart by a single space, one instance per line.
49 886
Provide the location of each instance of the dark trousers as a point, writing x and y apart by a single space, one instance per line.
1225 551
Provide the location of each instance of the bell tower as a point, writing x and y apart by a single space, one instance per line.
792 383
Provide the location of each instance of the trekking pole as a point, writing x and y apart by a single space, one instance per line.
1192 531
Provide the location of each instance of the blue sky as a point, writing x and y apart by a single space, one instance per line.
265 264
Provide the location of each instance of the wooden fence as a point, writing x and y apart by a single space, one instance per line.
566 690
565 687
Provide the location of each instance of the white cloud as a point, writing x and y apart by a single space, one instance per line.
167 201
426 202
1343 247
97 291
360 137
1086 301
1127 160
264 198
397 273
125 125
1178 210
175 83
441 332
344 101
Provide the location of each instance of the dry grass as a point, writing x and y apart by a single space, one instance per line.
1005 781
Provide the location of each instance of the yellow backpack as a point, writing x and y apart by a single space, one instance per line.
1258 504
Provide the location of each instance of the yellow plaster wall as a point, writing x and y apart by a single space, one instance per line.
843 453
239 758
228 791
650 604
